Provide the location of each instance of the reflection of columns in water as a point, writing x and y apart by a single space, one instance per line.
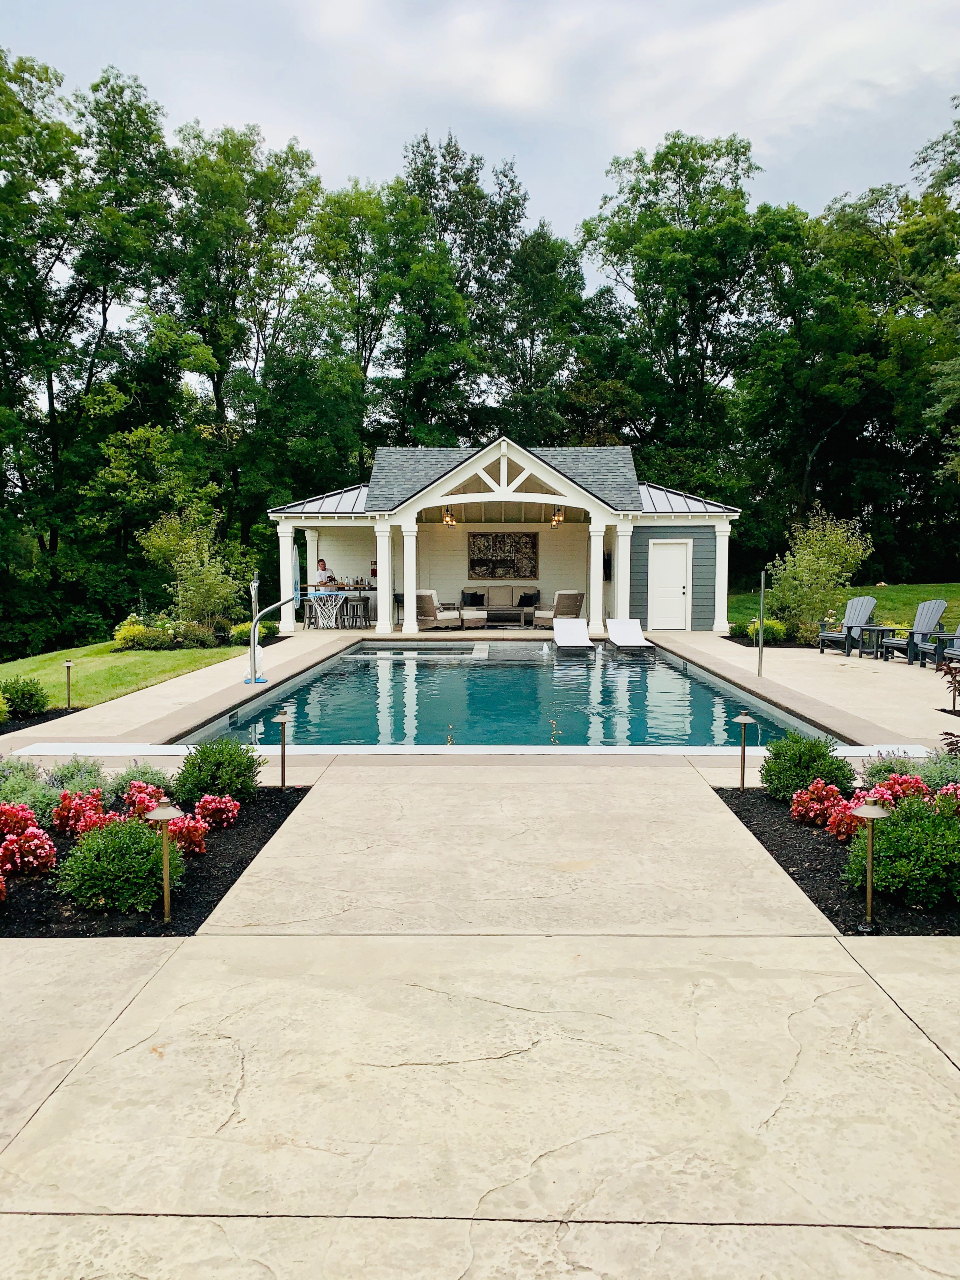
595 726
384 699
719 722
621 702
668 710
410 701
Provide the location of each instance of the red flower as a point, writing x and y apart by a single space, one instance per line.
77 813
815 803
217 811
142 798
15 819
188 833
29 852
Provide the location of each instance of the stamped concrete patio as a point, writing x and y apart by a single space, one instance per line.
487 1019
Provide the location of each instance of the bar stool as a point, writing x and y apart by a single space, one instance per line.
358 612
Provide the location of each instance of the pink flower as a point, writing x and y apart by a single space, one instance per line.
15 819
32 851
188 833
142 798
76 813
217 811
815 803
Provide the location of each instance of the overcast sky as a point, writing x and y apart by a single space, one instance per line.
836 95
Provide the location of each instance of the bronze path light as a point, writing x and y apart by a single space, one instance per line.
743 720
283 719
164 813
68 664
870 811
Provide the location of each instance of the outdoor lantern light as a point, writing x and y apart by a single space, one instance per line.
164 813
448 517
283 720
557 517
743 720
870 811
68 664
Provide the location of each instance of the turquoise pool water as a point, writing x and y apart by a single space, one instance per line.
501 694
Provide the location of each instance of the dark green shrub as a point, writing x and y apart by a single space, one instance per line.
78 774
223 767
4 709
22 783
194 636
738 629
120 785
25 698
939 769
221 628
794 762
119 868
916 853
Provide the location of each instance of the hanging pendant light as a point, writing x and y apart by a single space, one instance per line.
557 517
448 516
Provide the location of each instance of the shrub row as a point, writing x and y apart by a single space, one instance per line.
136 632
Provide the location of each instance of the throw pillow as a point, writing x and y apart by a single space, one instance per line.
472 599
528 600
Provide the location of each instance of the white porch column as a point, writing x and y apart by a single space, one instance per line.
621 571
720 623
312 536
596 578
384 580
409 579
288 615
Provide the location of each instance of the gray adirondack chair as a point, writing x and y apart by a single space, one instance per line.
926 622
856 615
940 645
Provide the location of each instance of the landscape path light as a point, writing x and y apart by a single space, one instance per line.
68 664
164 813
283 719
870 811
743 720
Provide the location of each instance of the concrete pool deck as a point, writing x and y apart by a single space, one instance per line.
474 1020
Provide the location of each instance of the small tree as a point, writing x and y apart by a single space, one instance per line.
208 576
813 578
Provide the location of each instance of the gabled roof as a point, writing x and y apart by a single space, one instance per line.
605 471
658 500
400 473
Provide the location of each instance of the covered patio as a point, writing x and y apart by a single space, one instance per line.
504 519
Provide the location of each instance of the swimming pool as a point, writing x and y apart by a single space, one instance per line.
499 694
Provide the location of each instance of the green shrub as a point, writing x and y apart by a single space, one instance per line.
119 868
140 637
22 783
939 769
25 698
194 636
221 628
120 785
794 762
4 709
240 634
880 768
223 767
78 774
916 853
774 631
738 629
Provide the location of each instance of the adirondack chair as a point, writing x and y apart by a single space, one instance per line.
940 645
926 622
855 616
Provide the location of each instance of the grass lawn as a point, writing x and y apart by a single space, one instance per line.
894 604
99 674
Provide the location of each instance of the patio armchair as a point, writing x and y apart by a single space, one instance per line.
925 623
938 645
566 604
430 614
855 617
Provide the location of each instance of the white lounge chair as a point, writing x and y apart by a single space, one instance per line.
627 633
571 633
429 613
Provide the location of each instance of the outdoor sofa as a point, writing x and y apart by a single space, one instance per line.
498 603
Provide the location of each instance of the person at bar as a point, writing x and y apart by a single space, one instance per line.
325 578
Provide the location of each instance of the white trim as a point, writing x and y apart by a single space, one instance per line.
621 571
721 579
688 590
384 536
288 614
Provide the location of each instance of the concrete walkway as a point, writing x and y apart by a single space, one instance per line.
486 1020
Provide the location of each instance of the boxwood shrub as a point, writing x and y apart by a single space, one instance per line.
119 868
120 784
916 853
223 767
794 762
25 698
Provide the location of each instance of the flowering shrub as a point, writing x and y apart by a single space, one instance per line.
897 787
31 851
952 789
217 811
188 833
815 803
3 889
15 819
842 823
78 813
142 798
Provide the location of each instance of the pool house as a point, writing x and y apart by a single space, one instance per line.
505 523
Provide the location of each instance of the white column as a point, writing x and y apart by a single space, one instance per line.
621 571
721 581
313 542
384 580
596 578
288 615
409 579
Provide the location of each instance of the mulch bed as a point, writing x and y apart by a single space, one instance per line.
12 726
815 861
34 909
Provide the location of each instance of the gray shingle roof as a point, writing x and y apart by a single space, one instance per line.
657 499
606 472
400 473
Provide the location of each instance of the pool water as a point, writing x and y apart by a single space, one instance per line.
501 694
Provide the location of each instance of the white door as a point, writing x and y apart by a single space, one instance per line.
668 586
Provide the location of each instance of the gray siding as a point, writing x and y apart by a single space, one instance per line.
704 571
